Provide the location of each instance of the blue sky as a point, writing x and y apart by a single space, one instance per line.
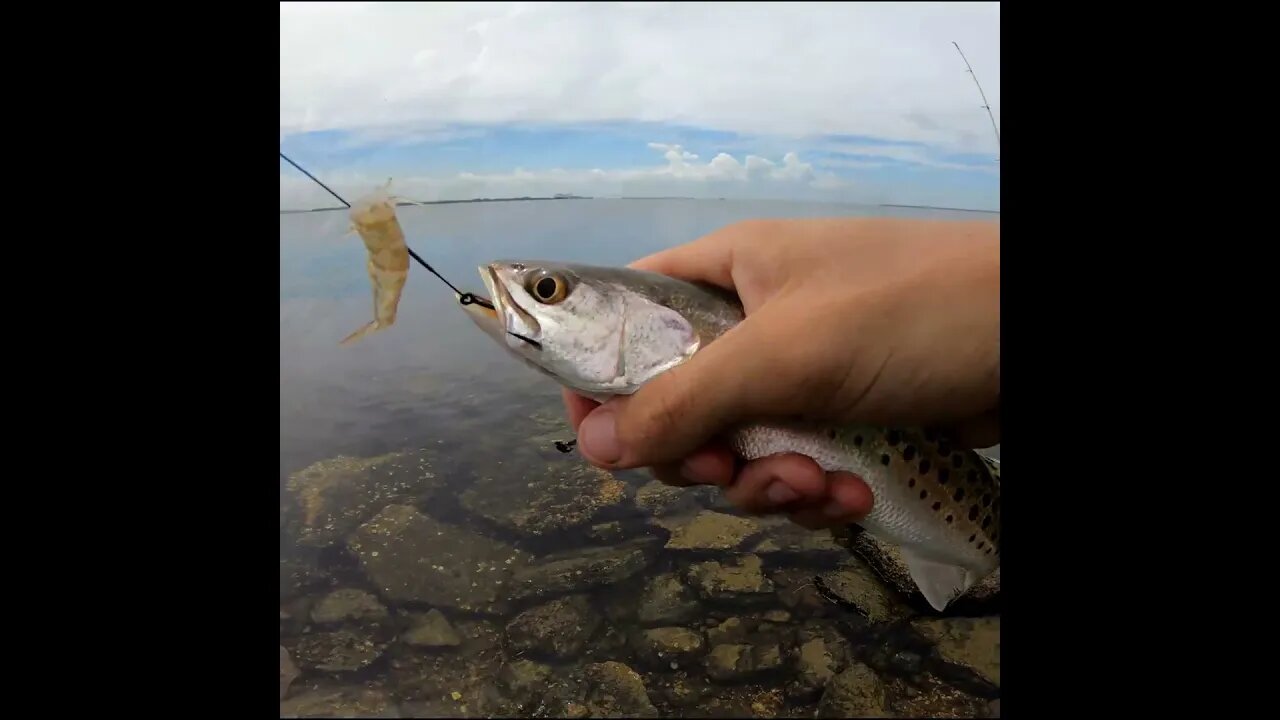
828 102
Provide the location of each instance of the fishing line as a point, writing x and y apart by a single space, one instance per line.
464 298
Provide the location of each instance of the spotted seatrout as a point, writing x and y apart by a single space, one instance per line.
374 218
607 331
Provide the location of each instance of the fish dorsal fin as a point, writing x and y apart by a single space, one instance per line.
940 583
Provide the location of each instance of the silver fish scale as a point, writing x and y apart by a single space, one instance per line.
898 515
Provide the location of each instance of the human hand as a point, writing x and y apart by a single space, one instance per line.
848 320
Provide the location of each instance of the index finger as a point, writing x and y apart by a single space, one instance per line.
577 406
707 259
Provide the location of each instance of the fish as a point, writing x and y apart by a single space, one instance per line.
607 331
374 218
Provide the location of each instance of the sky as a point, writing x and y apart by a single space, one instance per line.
829 102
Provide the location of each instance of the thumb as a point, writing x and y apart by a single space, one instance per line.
679 411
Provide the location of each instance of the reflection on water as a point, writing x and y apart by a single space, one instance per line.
440 558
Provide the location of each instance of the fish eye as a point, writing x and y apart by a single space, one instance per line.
548 288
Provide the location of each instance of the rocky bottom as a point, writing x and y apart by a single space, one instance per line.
543 588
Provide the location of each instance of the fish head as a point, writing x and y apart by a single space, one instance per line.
600 331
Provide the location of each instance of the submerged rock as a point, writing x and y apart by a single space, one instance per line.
784 537
855 693
337 651
740 579
525 681
710 530
727 663
855 584
348 604
558 629
660 647
546 500
968 644
659 499
340 702
578 570
412 558
432 630
288 672
667 601
816 663
615 690
328 499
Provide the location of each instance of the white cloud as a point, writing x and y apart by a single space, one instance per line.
682 174
876 69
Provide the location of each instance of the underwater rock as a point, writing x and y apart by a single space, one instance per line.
712 531
660 647
328 499
854 583
667 601
412 558
432 630
855 693
781 536
578 570
549 499
965 644
525 680
728 663
337 651
288 672
559 629
615 690
738 579
338 702
348 604
659 499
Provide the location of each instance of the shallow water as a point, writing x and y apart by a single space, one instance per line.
440 558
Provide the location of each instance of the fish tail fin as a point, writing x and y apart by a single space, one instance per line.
372 326
940 583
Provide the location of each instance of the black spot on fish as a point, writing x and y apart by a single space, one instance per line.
894 438
924 467
995 536
958 495
943 475
884 459
973 477
944 448
989 550
986 500
908 453
911 482
973 512
924 494
831 434
971 537
980 544
950 518
937 506
957 461
986 522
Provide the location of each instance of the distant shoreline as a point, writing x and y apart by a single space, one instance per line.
451 202
935 207
587 197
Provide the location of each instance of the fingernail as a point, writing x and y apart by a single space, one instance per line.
597 435
834 509
780 493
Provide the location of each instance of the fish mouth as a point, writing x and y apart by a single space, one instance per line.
505 306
